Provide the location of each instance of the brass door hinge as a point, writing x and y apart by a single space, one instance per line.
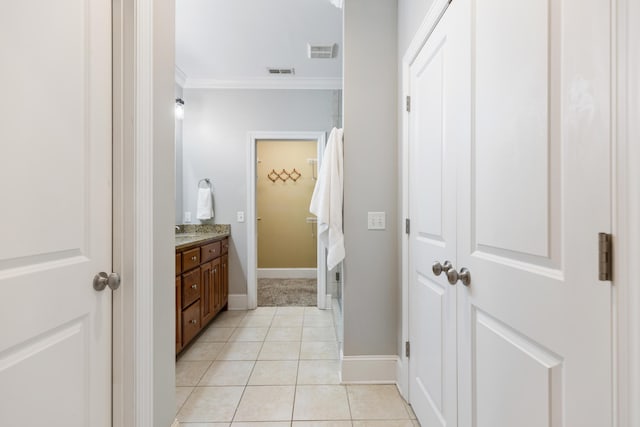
605 256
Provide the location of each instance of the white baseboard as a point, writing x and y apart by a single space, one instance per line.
328 305
368 369
402 377
287 273
238 302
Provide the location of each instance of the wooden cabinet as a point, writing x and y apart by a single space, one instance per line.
202 287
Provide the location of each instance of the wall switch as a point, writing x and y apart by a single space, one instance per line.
240 216
187 217
376 220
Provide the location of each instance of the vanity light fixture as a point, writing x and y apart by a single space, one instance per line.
179 109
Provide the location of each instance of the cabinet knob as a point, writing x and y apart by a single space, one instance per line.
194 321
194 286
193 258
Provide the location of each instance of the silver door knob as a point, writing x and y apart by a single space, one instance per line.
102 280
438 268
464 276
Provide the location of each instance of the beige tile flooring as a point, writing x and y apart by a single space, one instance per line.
277 367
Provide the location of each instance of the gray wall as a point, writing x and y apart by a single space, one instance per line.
215 146
163 219
179 93
371 271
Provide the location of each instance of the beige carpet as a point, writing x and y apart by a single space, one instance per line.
284 292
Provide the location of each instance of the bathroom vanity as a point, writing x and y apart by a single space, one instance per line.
202 280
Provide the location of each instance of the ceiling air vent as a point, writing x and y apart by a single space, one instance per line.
322 51
281 71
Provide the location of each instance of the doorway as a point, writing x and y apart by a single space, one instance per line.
286 231
285 257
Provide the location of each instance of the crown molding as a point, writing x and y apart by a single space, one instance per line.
181 77
275 83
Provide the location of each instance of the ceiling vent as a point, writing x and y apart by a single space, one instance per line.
322 51
281 71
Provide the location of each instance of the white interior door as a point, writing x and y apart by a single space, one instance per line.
55 221
432 209
534 186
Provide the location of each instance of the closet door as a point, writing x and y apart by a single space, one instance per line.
534 190
432 206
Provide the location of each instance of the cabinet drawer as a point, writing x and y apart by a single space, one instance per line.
178 263
190 259
190 287
190 322
210 251
225 247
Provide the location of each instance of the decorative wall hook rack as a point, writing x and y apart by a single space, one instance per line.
283 175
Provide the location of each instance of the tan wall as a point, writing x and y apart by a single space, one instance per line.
285 239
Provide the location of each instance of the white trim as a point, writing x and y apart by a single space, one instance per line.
368 369
252 247
176 423
144 216
401 379
426 28
181 77
266 83
287 273
627 211
328 304
133 237
238 302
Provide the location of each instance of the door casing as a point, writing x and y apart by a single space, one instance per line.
252 232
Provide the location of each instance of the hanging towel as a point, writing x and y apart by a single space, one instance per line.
326 202
205 204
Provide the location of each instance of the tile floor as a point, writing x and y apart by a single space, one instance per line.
277 367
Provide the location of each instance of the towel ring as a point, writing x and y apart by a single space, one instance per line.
206 181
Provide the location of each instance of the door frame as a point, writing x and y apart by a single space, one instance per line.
419 40
252 233
625 204
143 61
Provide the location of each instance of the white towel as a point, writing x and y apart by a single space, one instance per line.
326 202
205 204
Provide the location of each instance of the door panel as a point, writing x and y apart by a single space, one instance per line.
511 113
533 192
432 310
55 162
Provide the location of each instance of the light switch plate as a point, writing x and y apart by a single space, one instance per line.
187 217
376 220
240 216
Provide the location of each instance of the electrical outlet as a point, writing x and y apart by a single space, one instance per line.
240 216
376 221
187 217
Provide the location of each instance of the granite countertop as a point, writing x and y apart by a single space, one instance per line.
192 234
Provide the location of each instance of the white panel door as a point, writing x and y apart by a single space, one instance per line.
55 221
533 192
432 208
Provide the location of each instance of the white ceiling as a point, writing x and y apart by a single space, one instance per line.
231 43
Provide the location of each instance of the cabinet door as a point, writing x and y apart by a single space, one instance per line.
224 280
178 314
215 280
207 292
